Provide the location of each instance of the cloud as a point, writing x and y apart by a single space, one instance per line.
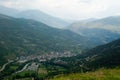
69 9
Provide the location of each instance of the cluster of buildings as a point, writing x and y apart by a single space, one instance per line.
52 55
34 66
41 58
45 57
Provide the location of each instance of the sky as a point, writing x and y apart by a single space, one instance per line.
68 9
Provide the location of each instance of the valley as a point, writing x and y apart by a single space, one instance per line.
46 66
35 45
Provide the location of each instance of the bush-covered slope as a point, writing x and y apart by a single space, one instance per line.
106 55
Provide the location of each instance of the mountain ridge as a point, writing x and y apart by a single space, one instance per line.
35 15
101 31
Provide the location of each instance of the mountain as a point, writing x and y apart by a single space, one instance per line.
8 11
112 20
100 30
35 15
104 56
108 23
43 17
107 55
99 36
23 37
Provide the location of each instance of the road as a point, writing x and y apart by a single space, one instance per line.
3 67
23 68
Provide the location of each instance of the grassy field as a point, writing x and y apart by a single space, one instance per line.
101 74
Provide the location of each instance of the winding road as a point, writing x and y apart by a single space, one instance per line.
23 68
3 67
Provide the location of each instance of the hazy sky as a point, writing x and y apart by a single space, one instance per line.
69 9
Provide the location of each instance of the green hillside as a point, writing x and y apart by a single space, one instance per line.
101 74
106 55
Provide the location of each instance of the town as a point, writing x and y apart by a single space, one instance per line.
41 58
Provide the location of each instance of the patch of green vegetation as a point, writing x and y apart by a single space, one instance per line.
25 75
101 74
13 67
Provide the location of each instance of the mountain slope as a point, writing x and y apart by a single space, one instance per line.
35 15
102 56
42 17
8 11
108 23
112 20
101 74
101 30
107 55
23 37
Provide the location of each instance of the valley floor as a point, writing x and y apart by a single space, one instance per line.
101 74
